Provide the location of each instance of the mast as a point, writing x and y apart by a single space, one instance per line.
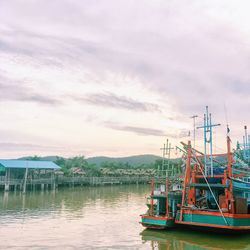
166 155
186 178
194 122
152 199
166 166
208 142
230 176
167 211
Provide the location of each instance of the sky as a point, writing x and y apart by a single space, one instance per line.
117 78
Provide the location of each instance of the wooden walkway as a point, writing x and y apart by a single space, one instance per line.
52 183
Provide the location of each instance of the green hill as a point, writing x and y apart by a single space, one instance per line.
41 158
135 160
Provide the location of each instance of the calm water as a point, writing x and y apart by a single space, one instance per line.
93 218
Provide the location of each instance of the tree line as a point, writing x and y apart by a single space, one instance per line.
78 165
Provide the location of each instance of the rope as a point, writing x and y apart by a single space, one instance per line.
211 190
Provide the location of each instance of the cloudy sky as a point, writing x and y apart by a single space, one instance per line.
116 77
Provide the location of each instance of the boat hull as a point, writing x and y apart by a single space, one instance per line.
157 222
237 222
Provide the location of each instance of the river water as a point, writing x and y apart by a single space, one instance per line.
94 218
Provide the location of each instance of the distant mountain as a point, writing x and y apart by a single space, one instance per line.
135 160
44 158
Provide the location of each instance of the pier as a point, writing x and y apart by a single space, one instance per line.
62 181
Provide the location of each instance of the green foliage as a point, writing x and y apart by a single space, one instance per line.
157 163
116 165
78 165
136 161
79 162
34 158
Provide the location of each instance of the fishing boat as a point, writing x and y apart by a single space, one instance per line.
166 193
213 194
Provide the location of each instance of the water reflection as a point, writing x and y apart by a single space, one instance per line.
67 199
186 240
93 218
81 218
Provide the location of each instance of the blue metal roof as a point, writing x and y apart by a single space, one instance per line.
29 164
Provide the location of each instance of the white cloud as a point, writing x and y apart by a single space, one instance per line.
176 55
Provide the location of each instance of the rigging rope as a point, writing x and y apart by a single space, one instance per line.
210 188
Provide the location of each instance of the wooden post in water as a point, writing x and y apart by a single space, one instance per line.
54 181
6 184
25 180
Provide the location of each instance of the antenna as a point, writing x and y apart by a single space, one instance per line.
245 146
246 143
226 117
208 139
166 153
194 117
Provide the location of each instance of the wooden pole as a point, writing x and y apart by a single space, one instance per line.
25 180
6 186
167 212
230 175
152 199
186 179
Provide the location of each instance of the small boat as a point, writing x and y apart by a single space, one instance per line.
161 207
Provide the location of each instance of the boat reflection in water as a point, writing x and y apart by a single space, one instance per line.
193 240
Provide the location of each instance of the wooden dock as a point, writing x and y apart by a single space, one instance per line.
7 184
